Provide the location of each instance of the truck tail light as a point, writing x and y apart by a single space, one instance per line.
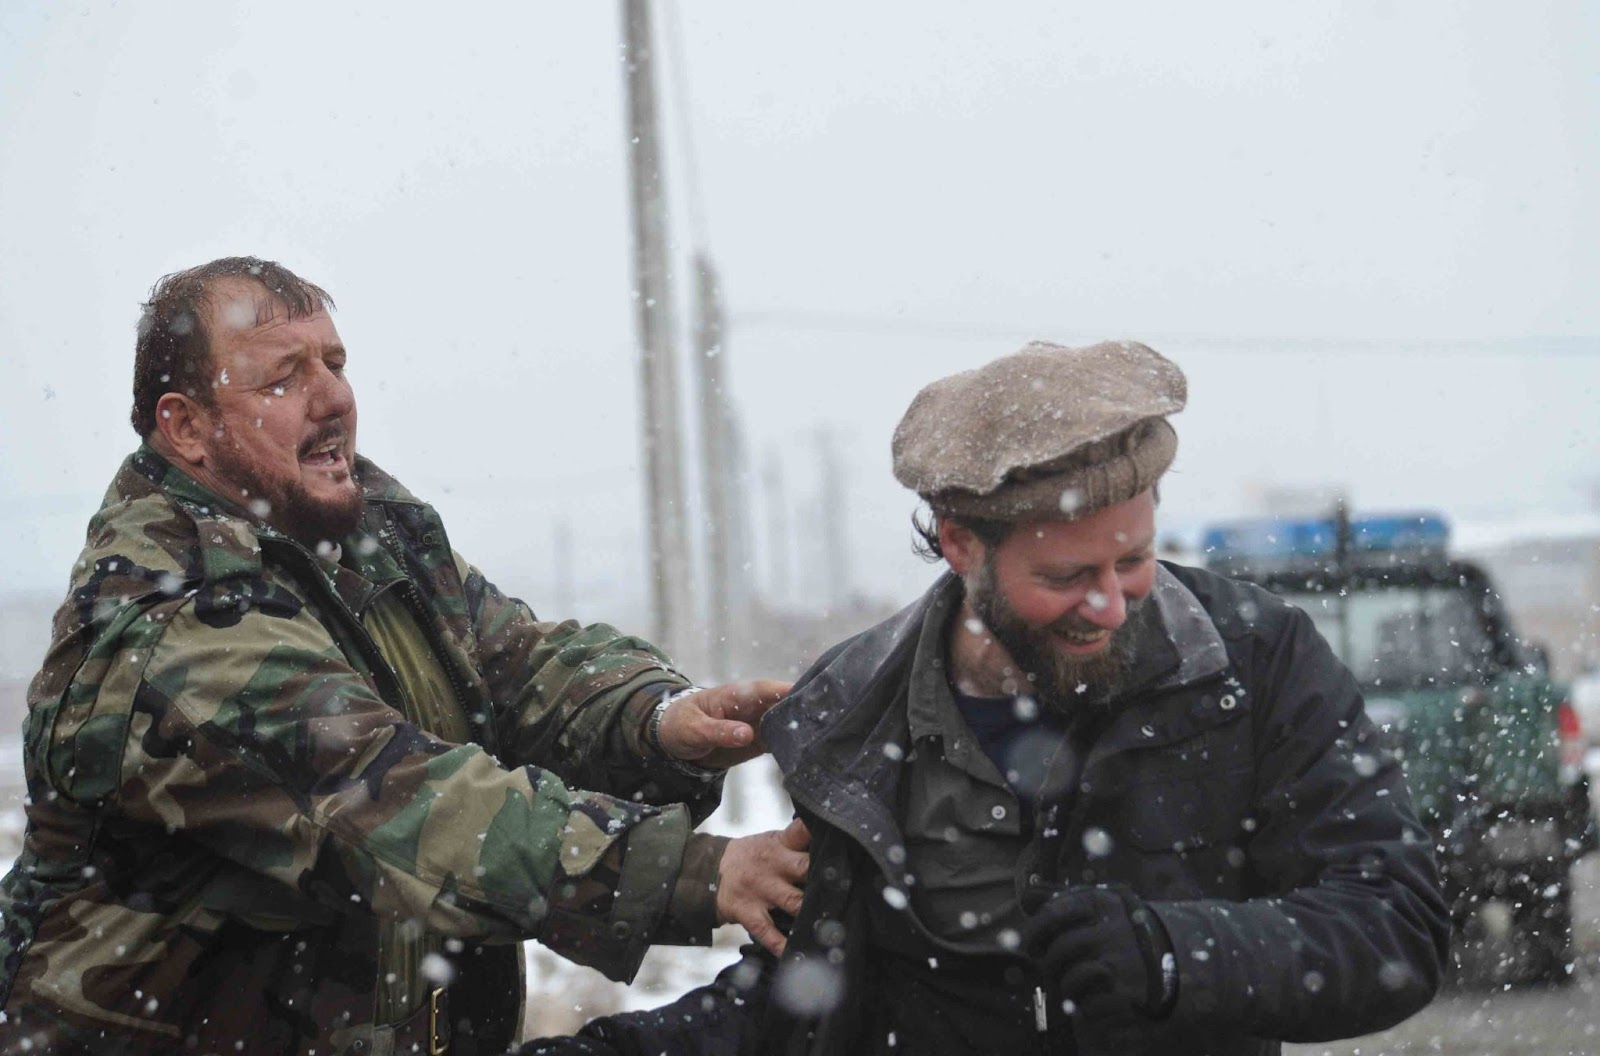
1570 733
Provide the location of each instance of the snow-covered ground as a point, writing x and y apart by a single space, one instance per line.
562 996
11 793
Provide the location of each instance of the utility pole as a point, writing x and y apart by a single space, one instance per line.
671 592
565 593
778 556
835 539
741 549
716 465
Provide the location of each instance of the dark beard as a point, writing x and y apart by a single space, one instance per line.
1059 682
311 522
292 510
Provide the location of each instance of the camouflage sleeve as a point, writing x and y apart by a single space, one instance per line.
574 699
251 734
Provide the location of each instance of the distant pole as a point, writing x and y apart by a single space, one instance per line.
778 546
715 461
835 540
741 500
671 597
566 602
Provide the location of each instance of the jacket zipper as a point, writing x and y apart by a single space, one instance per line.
379 662
419 612
395 697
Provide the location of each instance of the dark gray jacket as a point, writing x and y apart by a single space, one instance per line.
1242 791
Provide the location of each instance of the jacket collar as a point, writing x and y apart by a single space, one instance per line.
839 739
229 539
930 699
1180 645
1177 645
847 681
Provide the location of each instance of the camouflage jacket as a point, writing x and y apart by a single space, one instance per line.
226 800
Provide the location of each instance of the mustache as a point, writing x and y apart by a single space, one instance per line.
322 436
1071 622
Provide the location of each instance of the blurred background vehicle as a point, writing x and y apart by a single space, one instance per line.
1585 698
1491 744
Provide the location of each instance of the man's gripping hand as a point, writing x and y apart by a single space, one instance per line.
1106 951
718 727
762 873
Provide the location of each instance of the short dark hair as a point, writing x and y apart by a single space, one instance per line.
173 351
926 544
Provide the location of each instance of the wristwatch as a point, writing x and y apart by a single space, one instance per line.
652 737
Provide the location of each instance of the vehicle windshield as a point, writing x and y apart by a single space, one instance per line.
1402 636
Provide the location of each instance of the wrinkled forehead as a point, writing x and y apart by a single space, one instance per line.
236 304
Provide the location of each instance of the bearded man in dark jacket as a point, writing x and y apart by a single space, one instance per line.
1074 799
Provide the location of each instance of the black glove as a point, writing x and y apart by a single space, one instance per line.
1106 951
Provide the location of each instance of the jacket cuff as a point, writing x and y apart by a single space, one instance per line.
636 714
634 766
692 909
614 943
1201 958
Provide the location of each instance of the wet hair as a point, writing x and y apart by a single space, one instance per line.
925 545
172 352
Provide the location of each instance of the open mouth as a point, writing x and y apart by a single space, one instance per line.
328 455
1084 638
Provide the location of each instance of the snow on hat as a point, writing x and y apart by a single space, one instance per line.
1047 433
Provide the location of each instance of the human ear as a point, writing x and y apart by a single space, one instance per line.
184 427
961 546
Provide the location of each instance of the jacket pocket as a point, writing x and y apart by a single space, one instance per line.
1185 812
261 903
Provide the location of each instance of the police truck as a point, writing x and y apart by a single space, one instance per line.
1488 741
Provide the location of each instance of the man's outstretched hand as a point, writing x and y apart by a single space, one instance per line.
717 727
762 873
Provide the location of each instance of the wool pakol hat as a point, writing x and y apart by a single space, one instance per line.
1047 433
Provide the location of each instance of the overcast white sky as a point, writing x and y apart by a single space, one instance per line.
1359 227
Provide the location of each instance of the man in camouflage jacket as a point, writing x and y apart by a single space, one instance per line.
300 778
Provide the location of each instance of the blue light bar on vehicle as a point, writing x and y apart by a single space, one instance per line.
1293 541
